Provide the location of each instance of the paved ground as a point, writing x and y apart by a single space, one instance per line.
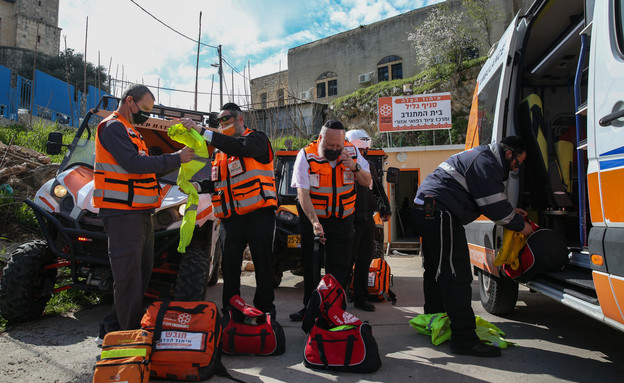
556 344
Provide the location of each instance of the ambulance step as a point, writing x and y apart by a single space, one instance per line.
572 281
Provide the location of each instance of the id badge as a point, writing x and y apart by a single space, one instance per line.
235 168
215 173
315 180
348 177
351 151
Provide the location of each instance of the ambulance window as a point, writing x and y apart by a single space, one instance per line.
487 107
619 23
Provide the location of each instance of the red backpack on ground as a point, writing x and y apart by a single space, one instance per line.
328 296
247 330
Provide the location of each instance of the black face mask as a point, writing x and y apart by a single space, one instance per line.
140 117
332 155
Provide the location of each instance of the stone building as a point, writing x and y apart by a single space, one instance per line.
26 25
340 64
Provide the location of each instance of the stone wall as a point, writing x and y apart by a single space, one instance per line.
266 91
21 20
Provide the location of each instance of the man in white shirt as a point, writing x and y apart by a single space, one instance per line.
325 174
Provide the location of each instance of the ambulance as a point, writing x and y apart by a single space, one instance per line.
556 78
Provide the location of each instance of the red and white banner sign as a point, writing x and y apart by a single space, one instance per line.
419 112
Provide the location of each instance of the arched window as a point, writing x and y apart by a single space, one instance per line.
327 85
390 68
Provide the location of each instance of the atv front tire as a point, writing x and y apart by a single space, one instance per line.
26 286
192 280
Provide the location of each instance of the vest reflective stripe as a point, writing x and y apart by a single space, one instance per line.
123 197
332 197
110 168
114 187
251 189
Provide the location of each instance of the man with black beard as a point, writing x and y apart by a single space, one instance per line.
325 174
462 188
242 185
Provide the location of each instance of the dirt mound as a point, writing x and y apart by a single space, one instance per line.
22 172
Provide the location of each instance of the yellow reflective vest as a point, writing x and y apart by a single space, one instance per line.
195 141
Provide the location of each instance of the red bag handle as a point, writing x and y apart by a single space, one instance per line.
239 304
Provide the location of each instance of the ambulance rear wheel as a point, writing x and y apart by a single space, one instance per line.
498 295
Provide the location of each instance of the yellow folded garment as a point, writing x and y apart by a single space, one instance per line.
195 141
513 242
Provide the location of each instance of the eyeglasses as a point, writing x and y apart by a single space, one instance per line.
518 163
224 118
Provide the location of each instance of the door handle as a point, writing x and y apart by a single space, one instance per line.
606 120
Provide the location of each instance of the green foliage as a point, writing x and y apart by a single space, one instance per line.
71 300
71 69
36 137
297 142
26 217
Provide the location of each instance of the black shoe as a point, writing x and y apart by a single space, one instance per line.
364 305
298 316
478 349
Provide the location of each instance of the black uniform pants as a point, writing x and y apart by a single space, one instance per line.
363 246
131 254
447 275
258 230
337 250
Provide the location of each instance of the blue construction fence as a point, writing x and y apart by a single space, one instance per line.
53 99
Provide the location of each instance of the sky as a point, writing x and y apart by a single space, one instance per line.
255 36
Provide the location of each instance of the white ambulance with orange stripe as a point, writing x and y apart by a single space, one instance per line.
556 78
75 251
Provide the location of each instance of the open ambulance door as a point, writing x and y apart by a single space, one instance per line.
489 115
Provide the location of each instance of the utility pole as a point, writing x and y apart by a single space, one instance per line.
32 84
84 89
220 78
197 65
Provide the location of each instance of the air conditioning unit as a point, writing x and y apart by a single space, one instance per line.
364 78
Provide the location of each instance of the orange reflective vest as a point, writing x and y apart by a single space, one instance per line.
332 190
242 184
115 188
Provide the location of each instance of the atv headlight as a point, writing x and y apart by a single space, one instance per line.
60 191
182 209
285 215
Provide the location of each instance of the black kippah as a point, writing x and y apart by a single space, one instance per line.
515 142
231 106
333 124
